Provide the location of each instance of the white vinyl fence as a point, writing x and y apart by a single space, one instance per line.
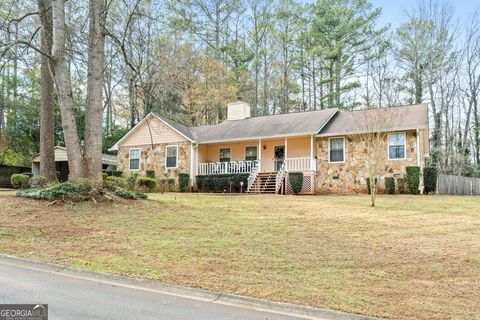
458 185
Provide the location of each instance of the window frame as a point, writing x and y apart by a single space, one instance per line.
229 153
404 145
130 159
256 152
166 156
329 148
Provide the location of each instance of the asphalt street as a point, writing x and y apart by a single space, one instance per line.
79 295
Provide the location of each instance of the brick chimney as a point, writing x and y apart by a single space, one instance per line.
238 110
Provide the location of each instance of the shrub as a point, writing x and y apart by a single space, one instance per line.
37 181
150 173
167 185
116 181
390 185
296 181
19 180
131 181
104 175
430 179
114 173
413 179
401 185
183 179
50 192
222 182
369 190
147 183
120 192
83 184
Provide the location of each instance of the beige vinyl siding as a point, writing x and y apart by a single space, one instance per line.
161 133
60 155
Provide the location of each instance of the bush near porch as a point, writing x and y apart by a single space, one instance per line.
222 182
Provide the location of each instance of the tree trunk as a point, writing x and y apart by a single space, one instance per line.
94 108
64 92
47 118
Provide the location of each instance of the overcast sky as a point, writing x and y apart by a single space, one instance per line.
393 11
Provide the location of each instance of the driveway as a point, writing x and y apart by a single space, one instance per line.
72 294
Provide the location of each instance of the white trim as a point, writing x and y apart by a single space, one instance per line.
328 121
166 156
130 158
344 152
173 128
404 146
245 152
229 151
191 162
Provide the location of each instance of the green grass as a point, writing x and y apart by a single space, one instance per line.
411 257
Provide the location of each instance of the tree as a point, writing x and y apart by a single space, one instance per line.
47 120
373 125
342 31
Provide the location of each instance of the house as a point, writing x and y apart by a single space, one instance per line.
61 163
325 145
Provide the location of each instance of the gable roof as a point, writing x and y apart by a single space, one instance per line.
281 125
326 122
181 129
405 118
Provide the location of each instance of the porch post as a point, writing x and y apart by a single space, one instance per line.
259 155
192 164
286 153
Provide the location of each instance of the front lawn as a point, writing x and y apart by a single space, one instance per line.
412 257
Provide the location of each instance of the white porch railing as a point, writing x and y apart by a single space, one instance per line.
300 164
227 167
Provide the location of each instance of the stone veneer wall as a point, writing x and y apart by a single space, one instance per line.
350 176
154 159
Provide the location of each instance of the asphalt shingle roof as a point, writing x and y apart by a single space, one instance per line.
309 122
397 118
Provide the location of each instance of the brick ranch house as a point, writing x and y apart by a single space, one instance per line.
325 145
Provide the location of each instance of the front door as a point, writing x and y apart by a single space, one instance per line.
278 157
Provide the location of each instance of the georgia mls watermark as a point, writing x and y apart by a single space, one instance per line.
23 312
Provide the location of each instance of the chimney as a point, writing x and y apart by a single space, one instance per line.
238 110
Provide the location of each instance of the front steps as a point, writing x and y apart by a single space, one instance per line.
264 183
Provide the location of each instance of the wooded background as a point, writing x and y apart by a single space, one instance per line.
186 59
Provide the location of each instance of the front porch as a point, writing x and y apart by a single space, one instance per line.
266 161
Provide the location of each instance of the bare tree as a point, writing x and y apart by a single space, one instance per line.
373 126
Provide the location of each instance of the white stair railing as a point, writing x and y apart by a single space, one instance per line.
279 177
253 176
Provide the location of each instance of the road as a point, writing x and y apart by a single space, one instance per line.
79 295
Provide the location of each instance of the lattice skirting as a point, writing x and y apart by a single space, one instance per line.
308 184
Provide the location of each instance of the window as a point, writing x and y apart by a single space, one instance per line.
172 154
337 150
134 159
250 153
396 146
225 155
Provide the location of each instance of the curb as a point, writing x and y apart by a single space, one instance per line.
186 292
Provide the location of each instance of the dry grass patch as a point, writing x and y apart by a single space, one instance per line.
412 257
